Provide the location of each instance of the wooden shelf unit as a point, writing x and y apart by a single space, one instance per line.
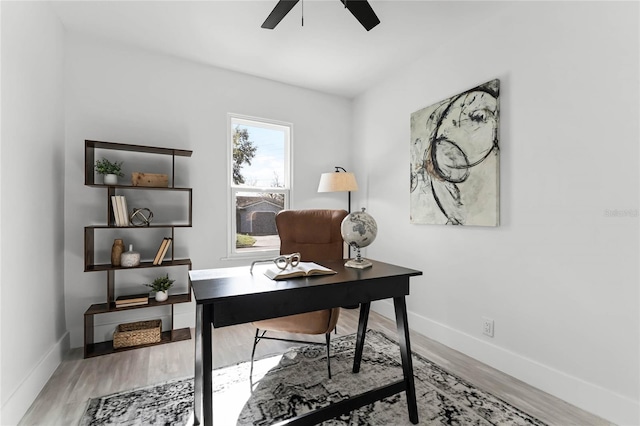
91 348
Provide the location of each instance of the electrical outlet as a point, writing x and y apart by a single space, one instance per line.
487 326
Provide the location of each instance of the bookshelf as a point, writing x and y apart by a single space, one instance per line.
92 348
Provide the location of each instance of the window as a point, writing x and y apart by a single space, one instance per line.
260 184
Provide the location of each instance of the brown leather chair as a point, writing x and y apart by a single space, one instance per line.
315 234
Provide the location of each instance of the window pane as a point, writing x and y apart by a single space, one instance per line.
255 220
259 156
260 178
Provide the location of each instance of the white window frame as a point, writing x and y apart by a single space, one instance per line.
233 190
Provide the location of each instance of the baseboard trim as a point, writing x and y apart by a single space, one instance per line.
587 396
27 391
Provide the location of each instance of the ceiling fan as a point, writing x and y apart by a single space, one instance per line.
361 9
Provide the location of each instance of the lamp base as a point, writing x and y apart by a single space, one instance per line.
358 264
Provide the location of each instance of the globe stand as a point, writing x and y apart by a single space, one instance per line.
358 262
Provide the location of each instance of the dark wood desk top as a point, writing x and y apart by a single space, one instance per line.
210 285
232 290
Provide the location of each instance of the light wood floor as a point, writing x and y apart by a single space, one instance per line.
65 396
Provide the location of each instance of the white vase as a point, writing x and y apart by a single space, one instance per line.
110 179
161 296
130 258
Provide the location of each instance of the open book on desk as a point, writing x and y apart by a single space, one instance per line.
303 269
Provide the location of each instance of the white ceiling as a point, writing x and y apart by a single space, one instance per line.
331 53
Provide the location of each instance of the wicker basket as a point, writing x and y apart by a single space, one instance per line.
137 333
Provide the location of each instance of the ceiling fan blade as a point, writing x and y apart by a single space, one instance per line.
363 12
280 11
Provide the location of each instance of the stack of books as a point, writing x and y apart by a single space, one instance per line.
132 300
120 211
162 251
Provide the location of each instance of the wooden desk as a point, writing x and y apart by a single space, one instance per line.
232 296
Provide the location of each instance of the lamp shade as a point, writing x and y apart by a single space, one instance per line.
337 182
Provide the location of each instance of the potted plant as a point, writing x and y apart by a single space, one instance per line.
160 285
111 171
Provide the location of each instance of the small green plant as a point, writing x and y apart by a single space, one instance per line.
161 283
106 167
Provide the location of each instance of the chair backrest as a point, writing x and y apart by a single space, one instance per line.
315 234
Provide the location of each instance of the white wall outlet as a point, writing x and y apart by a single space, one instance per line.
487 326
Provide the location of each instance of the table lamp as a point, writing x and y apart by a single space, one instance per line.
338 181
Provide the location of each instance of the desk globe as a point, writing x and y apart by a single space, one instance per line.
358 229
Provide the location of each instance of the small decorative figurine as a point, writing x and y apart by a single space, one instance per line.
139 218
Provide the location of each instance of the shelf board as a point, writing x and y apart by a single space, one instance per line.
138 148
158 188
104 348
184 225
149 264
103 308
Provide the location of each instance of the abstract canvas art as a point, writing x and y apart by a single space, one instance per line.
454 159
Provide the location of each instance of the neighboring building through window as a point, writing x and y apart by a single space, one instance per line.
260 183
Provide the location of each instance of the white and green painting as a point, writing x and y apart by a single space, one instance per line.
455 159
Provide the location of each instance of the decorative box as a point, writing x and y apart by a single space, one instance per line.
149 179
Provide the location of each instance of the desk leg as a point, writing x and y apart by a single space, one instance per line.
199 374
405 353
362 331
207 366
202 392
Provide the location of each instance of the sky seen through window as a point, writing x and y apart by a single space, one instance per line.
267 167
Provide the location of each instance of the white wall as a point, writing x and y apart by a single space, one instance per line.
32 178
558 276
121 94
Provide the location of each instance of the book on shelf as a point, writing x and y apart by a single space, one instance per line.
304 269
120 210
125 211
116 214
164 250
119 207
163 244
124 305
132 300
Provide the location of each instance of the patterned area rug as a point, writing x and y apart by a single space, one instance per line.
296 382
169 403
